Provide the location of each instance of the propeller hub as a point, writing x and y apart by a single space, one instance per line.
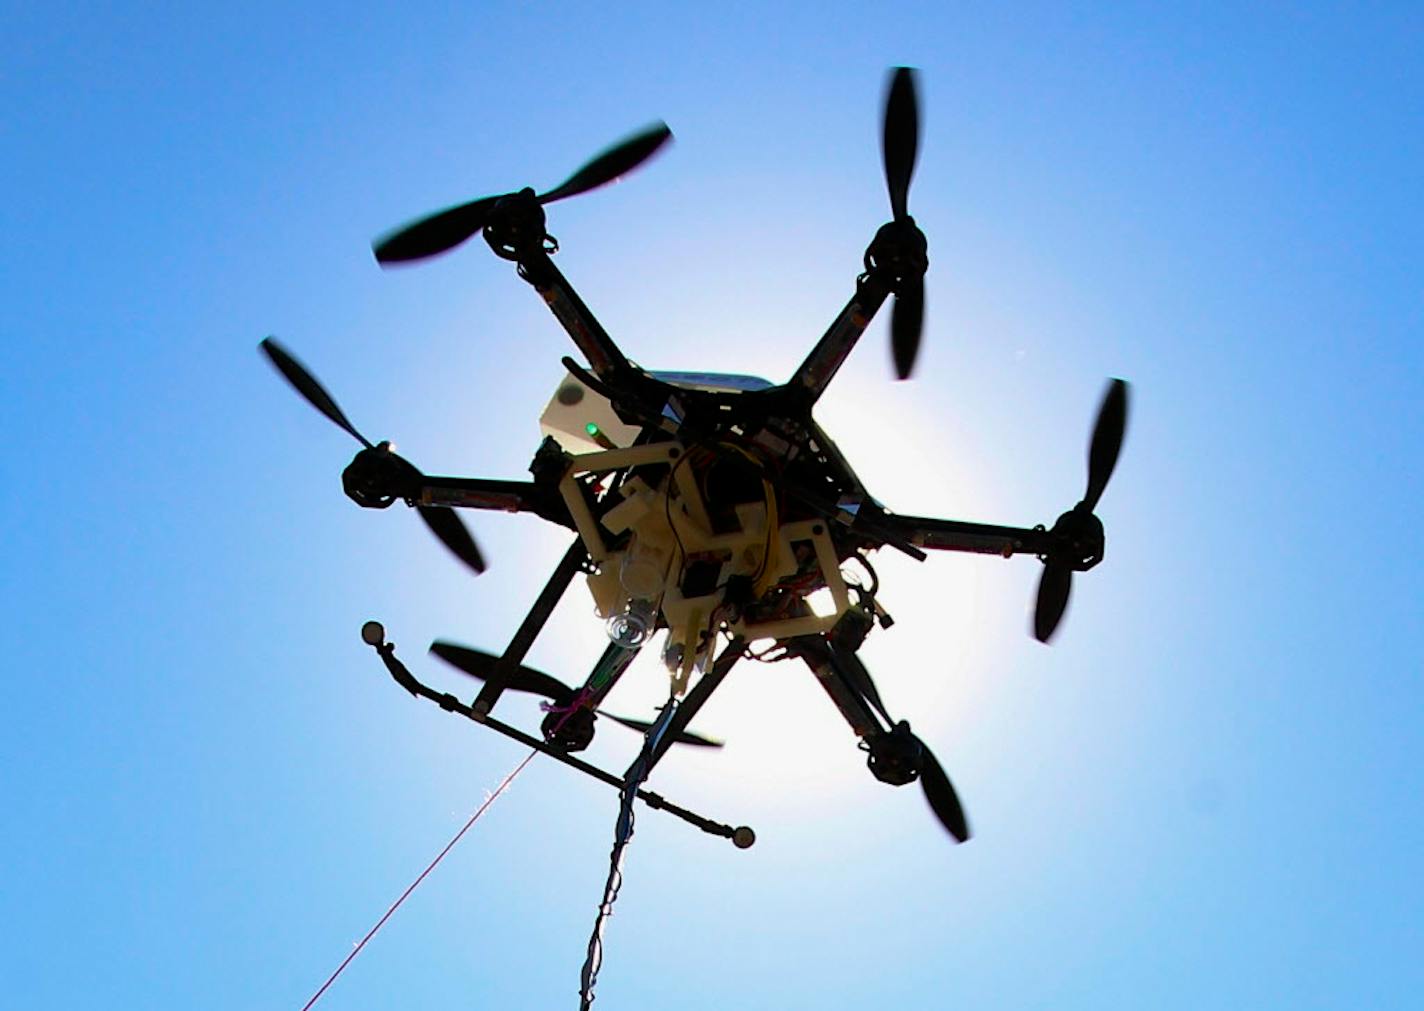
377 477
899 251
1078 539
515 229
574 730
895 757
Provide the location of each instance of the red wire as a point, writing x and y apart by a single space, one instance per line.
396 905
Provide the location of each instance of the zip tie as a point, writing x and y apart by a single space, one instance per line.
405 894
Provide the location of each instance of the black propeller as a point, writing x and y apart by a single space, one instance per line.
1107 441
900 747
900 144
681 737
1053 589
453 533
446 229
944 802
441 520
312 391
480 665
1078 534
901 140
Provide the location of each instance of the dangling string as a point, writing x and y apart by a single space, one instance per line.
574 705
581 699
624 832
405 894
621 837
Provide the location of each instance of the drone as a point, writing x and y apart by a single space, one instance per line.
710 510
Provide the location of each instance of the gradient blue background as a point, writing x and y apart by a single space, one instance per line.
1205 795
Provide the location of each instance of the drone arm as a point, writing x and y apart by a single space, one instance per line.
501 496
607 362
533 622
605 674
821 365
831 674
959 535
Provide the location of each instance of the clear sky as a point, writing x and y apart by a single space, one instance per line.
1204 795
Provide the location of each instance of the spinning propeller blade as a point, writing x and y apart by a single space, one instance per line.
684 737
453 533
1053 588
618 160
944 802
434 234
441 520
938 789
446 229
1107 441
480 665
900 141
306 384
907 320
901 138
1056 584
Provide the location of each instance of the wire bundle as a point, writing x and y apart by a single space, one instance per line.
623 834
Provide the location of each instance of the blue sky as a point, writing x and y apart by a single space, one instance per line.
1204 795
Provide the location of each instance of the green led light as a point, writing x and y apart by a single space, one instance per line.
591 429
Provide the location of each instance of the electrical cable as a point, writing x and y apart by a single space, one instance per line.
623 834
667 497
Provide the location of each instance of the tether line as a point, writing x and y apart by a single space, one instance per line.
405 894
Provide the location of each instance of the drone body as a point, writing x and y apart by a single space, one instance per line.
711 508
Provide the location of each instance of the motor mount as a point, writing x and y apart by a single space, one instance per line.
1078 539
515 229
898 252
574 730
376 477
895 757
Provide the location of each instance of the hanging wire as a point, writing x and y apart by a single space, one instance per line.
406 894
593 961
622 835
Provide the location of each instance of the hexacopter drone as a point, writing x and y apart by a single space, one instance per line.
709 507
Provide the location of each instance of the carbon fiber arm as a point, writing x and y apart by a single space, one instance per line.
959 535
500 496
825 359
